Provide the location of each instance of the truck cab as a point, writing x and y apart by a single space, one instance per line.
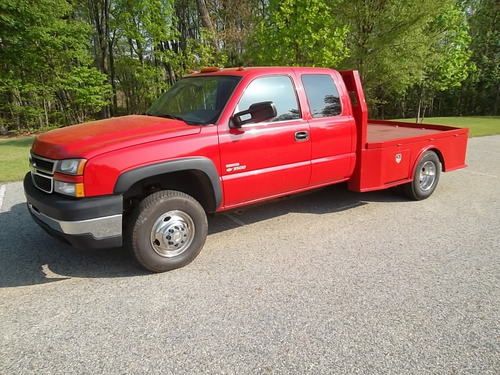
217 140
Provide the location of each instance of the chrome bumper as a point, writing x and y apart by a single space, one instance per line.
99 228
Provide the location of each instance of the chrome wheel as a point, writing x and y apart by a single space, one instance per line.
172 233
427 175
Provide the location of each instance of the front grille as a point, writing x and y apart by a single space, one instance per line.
42 182
42 171
42 164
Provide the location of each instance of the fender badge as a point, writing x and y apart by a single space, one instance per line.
398 158
235 167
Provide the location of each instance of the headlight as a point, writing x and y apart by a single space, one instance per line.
74 189
71 166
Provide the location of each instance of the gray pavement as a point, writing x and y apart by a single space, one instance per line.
326 282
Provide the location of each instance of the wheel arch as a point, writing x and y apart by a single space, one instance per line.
422 152
181 174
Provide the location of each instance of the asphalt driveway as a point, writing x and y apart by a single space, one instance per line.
326 282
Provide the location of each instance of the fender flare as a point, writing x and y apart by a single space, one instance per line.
422 152
202 164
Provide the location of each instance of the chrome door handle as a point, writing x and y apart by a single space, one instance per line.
301 136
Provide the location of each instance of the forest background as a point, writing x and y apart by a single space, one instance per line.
67 61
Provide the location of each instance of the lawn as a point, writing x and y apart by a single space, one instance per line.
14 151
479 126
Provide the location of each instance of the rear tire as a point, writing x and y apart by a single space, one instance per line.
425 178
167 230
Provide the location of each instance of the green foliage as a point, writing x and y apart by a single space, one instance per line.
83 92
46 62
389 42
299 32
447 63
480 93
69 61
201 52
140 83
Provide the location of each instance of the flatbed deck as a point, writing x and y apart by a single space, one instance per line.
382 133
388 152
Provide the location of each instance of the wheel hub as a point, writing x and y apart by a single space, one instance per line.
172 233
427 175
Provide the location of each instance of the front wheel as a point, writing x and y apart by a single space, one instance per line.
425 178
167 230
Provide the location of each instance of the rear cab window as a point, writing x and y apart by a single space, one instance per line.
322 95
279 89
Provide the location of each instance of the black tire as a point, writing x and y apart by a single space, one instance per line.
415 189
148 214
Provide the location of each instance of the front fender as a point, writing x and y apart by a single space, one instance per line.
205 165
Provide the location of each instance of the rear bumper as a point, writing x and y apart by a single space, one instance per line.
84 223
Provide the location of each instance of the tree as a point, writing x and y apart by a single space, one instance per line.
42 47
481 92
145 61
388 43
98 13
299 32
447 60
62 61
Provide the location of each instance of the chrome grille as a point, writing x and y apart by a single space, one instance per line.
42 171
43 164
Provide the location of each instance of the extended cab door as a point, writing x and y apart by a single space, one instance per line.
333 128
270 158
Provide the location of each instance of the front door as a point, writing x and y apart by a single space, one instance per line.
270 158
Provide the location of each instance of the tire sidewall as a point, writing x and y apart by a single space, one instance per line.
143 250
417 190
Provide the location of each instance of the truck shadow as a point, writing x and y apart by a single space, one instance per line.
28 256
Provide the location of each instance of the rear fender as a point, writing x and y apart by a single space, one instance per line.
422 152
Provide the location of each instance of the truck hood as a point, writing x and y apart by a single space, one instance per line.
98 137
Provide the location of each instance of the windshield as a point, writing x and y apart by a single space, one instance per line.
195 100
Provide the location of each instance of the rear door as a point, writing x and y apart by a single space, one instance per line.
269 158
332 128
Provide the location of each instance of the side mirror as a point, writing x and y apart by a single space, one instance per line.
257 112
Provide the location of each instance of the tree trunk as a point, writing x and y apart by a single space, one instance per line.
99 14
420 104
204 15
206 21
112 77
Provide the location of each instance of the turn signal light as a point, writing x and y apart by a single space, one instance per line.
69 188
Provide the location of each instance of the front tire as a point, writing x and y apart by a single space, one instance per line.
425 178
167 230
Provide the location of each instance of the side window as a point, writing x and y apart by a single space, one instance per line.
322 95
279 90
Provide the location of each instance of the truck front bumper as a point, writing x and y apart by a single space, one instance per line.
86 223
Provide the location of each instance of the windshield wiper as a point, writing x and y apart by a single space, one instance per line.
167 116
174 117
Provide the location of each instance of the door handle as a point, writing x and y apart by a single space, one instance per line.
301 136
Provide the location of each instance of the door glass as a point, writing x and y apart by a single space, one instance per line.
322 95
279 90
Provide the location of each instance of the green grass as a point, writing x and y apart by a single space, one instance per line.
479 126
14 151
14 154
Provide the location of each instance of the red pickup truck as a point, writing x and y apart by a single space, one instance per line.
220 139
